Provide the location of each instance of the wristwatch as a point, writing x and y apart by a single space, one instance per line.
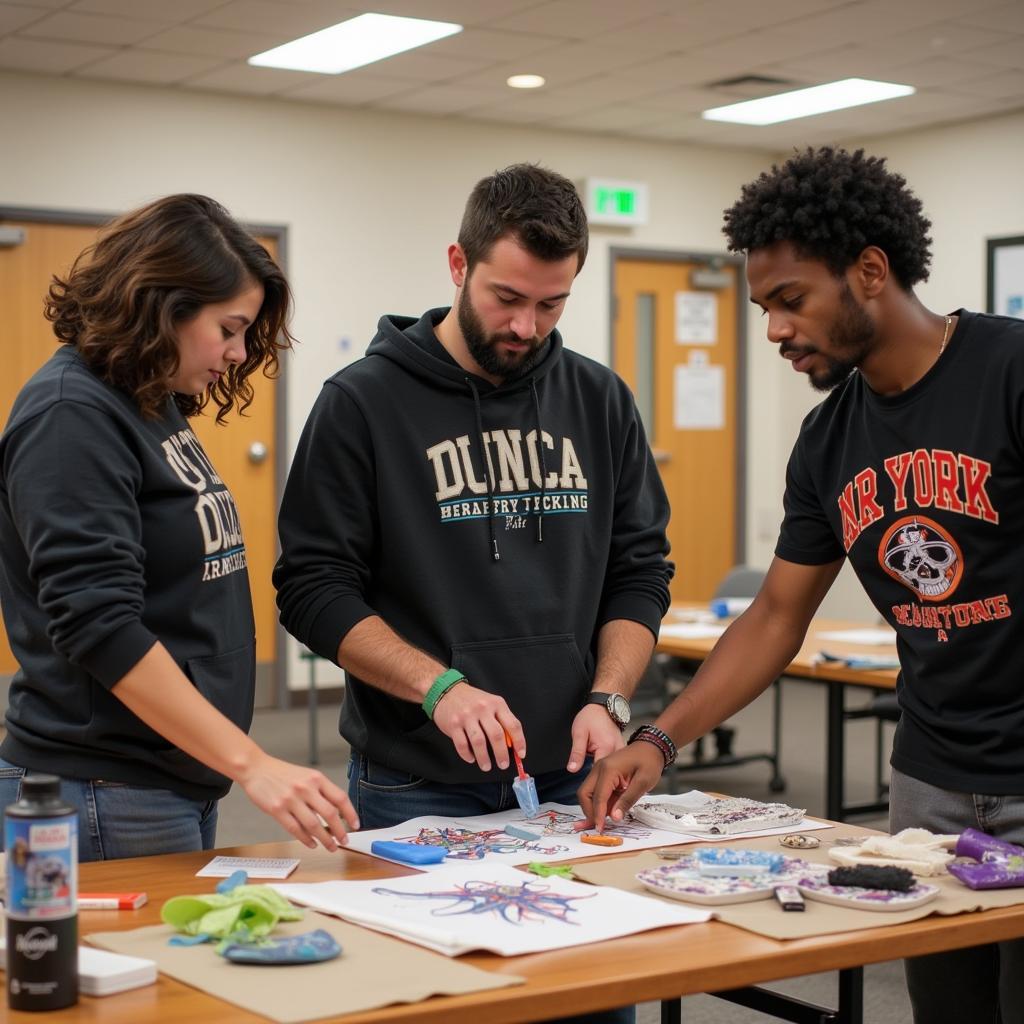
615 704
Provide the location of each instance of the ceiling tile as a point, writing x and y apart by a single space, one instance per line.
1004 18
150 10
668 33
487 44
243 78
612 117
1008 84
44 4
940 71
150 66
351 89
294 20
92 28
582 19
529 107
210 42
12 18
432 99
422 66
462 12
47 57
1009 54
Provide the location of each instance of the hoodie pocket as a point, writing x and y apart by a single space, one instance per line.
544 682
228 682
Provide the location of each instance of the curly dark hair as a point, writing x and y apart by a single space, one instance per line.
831 204
124 298
539 207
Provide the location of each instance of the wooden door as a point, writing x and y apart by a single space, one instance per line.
27 341
676 344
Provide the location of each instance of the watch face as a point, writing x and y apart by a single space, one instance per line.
618 708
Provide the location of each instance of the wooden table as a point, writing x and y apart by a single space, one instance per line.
805 666
657 965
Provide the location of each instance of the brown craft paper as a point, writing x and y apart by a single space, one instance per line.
766 917
373 970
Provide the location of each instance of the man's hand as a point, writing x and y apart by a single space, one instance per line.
305 802
475 720
594 733
617 782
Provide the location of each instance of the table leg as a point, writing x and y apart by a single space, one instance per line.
834 753
314 741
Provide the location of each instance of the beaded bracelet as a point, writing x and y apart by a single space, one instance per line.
440 686
660 739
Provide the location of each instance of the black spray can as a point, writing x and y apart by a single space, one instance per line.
41 840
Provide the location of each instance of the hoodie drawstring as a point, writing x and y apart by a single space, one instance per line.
543 464
487 472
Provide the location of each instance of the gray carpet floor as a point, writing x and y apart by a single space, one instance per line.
286 734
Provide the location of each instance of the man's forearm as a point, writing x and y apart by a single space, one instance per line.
375 653
624 651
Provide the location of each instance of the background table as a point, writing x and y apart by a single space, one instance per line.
806 666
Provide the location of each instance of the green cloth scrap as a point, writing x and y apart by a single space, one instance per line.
254 909
538 867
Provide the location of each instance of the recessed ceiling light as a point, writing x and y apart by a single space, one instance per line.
818 99
353 43
525 81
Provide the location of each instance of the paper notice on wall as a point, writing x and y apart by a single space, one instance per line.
696 318
699 397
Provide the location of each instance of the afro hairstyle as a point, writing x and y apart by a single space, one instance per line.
831 204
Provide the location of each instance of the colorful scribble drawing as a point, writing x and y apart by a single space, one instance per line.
528 902
560 823
463 844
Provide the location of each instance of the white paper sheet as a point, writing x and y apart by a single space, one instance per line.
490 906
254 867
699 397
696 318
870 637
483 838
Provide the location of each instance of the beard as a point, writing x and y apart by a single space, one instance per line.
850 336
484 347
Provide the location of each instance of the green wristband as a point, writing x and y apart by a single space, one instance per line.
440 686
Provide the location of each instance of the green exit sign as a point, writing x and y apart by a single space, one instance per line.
615 202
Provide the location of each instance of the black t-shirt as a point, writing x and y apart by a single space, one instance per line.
923 492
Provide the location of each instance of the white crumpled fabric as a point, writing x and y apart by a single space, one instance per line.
916 849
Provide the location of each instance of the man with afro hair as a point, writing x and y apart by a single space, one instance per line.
912 468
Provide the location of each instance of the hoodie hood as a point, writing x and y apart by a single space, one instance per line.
412 343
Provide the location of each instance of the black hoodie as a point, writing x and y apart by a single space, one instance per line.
116 532
507 575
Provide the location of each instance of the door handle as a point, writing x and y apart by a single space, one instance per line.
258 452
661 455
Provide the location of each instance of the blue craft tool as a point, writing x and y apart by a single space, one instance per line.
524 788
235 879
521 832
408 853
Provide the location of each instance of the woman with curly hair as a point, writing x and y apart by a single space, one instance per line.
123 581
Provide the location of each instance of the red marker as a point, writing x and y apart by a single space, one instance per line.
111 900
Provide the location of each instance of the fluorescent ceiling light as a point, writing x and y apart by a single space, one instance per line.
818 99
353 43
525 81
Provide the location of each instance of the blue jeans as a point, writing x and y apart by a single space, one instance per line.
384 797
983 984
117 820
